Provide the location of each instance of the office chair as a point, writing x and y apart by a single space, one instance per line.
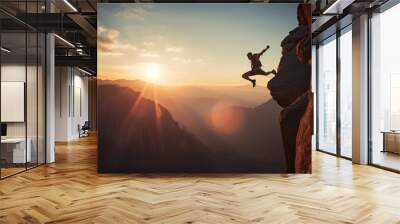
84 130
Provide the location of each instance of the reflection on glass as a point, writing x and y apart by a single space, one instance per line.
41 98
14 153
31 100
385 88
346 93
327 96
22 92
394 102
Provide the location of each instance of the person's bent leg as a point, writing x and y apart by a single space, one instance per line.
262 72
247 77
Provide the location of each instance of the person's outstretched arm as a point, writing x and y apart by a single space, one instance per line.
263 51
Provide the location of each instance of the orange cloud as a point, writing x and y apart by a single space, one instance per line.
133 13
108 43
174 49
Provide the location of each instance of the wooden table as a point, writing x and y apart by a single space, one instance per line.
391 141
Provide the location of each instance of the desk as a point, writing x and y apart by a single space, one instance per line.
391 141
15 148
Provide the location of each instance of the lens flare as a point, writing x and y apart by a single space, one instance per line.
226 118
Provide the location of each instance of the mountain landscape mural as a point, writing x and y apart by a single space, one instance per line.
202 88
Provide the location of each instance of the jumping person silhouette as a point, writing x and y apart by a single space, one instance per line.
256 67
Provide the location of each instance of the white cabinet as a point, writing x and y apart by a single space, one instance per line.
19 155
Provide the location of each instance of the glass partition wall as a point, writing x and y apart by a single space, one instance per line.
13 89
22 78
385 89
326 95
345 92
334 94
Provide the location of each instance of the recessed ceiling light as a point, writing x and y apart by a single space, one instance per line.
64 40
84 71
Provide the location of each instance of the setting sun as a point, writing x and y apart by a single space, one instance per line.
153 73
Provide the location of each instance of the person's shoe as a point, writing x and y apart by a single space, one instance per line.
254 83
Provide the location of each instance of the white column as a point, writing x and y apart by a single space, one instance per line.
360 90
50 92
314 90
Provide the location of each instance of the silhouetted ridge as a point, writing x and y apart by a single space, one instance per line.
143 137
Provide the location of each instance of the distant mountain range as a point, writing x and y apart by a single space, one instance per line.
255 147
242 95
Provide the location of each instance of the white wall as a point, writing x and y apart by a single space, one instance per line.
81 104
16 73
62 81
13 101
71 93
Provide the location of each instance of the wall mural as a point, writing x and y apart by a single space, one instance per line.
204 88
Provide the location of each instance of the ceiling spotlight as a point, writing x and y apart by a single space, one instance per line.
5 50
65 41
84 71
79 51
337 7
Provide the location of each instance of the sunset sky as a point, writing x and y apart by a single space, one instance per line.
179 44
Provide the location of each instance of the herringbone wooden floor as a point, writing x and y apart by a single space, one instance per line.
71 191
